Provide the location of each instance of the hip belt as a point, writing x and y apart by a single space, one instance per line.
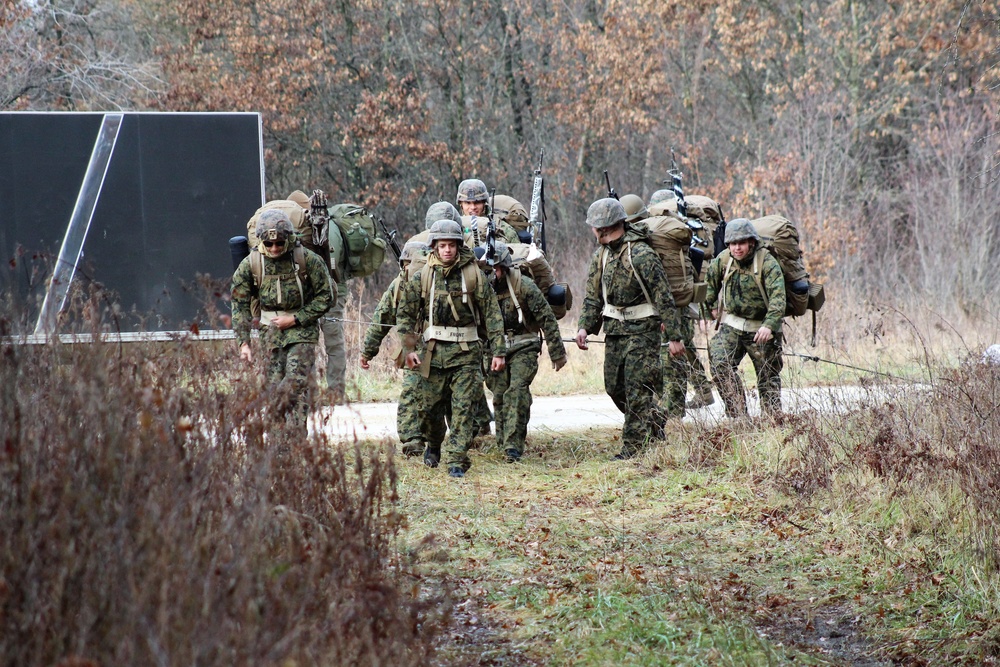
640 312
451 334
742 323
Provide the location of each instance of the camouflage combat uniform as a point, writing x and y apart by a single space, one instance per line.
292 352
450 371
511 387
333 337
745 311
632 368
416 429
677 370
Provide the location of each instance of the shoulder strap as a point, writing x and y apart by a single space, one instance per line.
635 273
257 268
514 287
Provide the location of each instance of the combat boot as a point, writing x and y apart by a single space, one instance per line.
413 448
456 471
432 456
512 455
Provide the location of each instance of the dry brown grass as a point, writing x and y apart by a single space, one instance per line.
153 511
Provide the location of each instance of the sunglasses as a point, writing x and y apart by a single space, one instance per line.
271 244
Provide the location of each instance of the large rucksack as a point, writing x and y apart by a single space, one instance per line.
353 235
530 261
670 237
705 210
298 215
781 239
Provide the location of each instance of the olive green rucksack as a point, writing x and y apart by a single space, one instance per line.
353 236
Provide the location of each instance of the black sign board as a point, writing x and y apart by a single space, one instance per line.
142 204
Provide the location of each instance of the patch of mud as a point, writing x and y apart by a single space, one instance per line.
832 632
476 638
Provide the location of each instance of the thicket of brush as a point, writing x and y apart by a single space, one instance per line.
151 512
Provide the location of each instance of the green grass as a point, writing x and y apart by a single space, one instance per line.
668 560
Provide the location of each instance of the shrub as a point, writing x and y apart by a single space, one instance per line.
146 519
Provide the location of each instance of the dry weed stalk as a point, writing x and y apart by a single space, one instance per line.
153 513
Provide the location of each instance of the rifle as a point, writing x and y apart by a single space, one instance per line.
319 220
536 217
390 237
611 191
719 238
491 232
675 181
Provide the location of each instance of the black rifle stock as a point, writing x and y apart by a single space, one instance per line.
390 237
607 181
491 232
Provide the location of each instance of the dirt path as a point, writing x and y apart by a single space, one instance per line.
576 412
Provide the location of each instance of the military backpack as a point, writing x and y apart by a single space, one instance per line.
671 239
353 236
780 237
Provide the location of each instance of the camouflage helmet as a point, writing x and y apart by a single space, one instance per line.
605 212
635 208
502 256
472 189
274 225
662 196
741 229
412 250
446 230
510 211
441 210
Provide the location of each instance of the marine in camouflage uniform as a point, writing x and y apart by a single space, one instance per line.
676 369
632 314
525 313
416 430
447 316
473 202
443 210
749 282
292 301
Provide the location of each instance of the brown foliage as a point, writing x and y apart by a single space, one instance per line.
155 512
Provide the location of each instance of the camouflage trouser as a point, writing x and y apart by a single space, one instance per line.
632 378
417 428
336 347
289 370
677 370
511 389
726 350
483 416
459 387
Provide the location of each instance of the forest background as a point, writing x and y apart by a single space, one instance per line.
872 125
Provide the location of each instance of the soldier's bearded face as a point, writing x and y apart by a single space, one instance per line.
740 249
476 208
447 250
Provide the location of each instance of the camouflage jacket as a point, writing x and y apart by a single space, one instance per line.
282 293
624 290
742 294
449 309
476 226
383 319
536 314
